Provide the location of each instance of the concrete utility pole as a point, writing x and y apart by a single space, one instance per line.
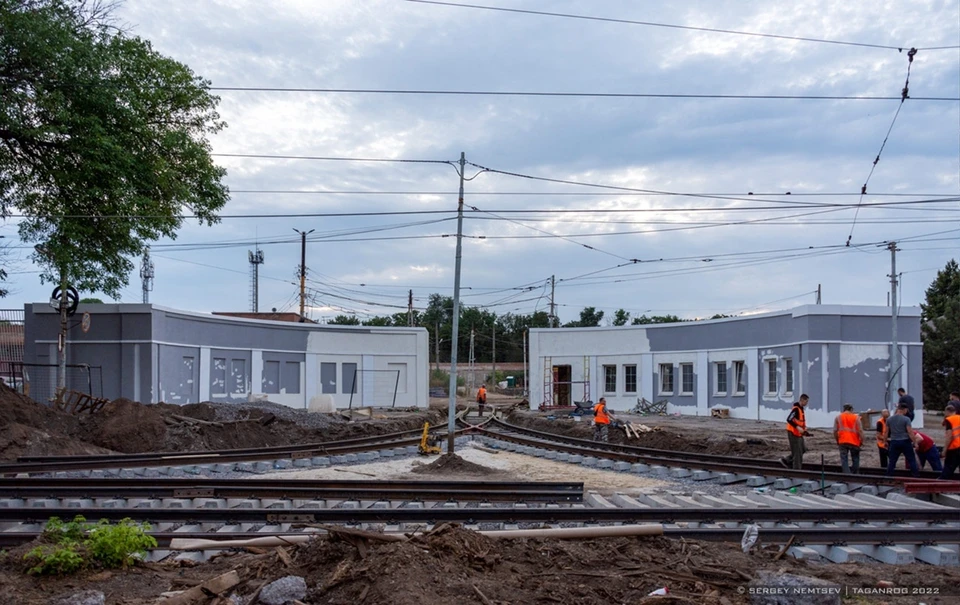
553 309
256 259
494 354
818 294
146 275
303 270
452 407
894 346
525 391
436 354
471 360
410 309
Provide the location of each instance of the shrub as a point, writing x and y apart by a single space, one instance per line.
62 558
118 545
77 544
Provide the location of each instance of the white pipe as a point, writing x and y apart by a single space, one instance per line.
561 533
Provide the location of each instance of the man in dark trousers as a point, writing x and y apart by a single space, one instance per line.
907 400
849 435
601 421
927 451
796 431
882 437
951 447
481 399
900 438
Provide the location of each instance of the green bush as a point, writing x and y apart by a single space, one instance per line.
77 544
117 545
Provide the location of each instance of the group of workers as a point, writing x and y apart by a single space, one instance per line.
895 436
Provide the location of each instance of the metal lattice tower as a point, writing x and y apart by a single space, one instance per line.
256 259
146 275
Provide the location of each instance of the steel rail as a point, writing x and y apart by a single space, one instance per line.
289 489
194 458
768 535
698 460
476 514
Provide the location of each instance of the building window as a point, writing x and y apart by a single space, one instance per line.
788 375
291 378
721 378
328 378
350 378
630 379
771 377
666 379
238 375
270 381
609 379
740 377
686 379
218 377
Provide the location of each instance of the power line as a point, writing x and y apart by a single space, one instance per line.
670 25
903 97
578 193
534 93
327 158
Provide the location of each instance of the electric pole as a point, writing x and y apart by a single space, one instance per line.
410 309
494 354
452 407
894 347
303 270
472 358
255 259
818 294
436 335
553 306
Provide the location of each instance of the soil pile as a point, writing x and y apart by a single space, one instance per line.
450 566
664 439
450 464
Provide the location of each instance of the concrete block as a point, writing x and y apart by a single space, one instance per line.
718 502
262 466
621 466
113 503
910 501
380 504
952 500
786 483
275 503
176 503
870 490
892 555
302 463
351 458
209 503
118 472
320 461
758 480
420 505
590 462
563 457
374 455
803 552
687 501
79 503
164 471
43 502
243 503
839 488
597 501
197 556
840 554
449 505
144 503
575 459
703 475
365 457
282 463
625 501
639 468
727 478
936 555
246 467
680 473
349 504
387 453
412 449
190 469
340 459
656 501
809 486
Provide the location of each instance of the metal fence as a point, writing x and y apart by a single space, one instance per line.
39 380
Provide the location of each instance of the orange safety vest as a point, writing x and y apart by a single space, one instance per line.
600 413
881 443
954 422
482 395
847 431
801 422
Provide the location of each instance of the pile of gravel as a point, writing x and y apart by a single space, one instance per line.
227 412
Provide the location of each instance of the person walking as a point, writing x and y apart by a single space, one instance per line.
900 436
906 399
881 437
951 448
849 435
796 431
927 451
481 399
601 421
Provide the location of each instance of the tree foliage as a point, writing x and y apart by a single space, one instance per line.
621 317
940 330
103 141
589 318
655 319
345 320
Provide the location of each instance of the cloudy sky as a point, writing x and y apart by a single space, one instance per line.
734 242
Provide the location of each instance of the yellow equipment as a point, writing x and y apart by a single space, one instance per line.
429 444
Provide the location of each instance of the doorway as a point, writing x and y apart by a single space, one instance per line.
562 376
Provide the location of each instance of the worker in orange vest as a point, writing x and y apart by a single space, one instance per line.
849 435
601 421
881 437
481 399
951 423
796 431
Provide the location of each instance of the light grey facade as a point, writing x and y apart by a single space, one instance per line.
756 366
154 354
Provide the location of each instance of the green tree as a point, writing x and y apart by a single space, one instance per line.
379 321
345 320
91 301
104 141
621 317
589 317
655 319
940 332
945 288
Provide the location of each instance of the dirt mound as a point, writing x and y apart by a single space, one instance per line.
127 426
21 440
722 445
448 464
